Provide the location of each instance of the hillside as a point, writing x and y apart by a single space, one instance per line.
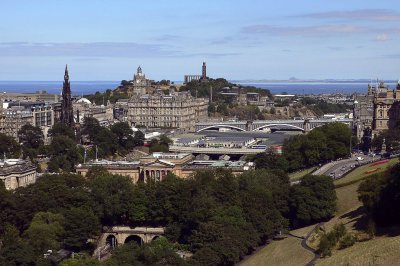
382 250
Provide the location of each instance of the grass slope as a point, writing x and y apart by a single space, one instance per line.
299 174
286 252
378 251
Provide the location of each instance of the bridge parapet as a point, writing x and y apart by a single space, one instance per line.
303 124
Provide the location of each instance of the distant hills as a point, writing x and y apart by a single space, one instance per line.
295 80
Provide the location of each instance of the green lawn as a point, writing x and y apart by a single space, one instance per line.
284 252
360 172
299 174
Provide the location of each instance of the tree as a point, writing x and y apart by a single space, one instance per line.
380 195
64 154
45 232
112 195
164 140
122 130
313 200
106 141
50 193
61 129
81 261
271 160
162 145
30 136
9 147
81 224
14 250
91 127
138 139
7 207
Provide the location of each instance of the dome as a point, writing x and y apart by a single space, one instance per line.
83 100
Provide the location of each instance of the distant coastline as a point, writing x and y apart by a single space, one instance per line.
309 81
292 86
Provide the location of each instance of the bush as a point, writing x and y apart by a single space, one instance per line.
329 240
347 241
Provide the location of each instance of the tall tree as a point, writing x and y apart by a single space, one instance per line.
30 136
91 128
64 154
313 200
61 129
9 147
81 224
45 232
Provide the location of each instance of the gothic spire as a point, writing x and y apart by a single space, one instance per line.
66 76
66 116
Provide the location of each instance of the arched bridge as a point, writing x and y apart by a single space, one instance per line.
304 125
119 235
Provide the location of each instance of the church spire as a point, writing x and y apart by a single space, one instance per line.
66 75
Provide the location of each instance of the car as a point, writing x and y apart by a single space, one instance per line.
359 159
332 174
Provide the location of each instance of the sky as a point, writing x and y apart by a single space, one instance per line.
238 39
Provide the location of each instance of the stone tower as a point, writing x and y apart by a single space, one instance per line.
67 114
204 71
140 83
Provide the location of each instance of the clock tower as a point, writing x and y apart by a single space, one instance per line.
140 83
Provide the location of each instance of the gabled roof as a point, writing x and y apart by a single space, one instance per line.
161 163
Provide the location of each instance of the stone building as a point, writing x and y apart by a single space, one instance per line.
17 173
38 96
177 110
140 83
14 118
17 114
157 165
84 108
384 98
378 109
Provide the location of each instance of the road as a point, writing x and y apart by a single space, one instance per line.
338 169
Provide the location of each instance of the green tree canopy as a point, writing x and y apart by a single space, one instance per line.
45 232
30 136
9 147
64 154
313 200
61 129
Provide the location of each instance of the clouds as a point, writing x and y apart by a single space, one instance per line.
383 15
304 30
94 49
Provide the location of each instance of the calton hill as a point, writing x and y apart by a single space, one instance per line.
221 104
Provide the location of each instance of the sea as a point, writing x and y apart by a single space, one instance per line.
79 88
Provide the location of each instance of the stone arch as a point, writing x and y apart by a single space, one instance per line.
221 126
272 125
112 240
134 238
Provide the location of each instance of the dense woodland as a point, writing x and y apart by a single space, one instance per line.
321 145
215 215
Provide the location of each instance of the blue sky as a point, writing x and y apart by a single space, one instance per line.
239 39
